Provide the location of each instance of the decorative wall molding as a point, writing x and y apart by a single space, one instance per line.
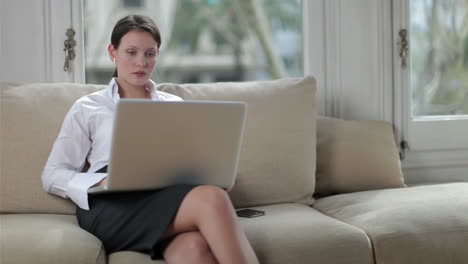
77 23
2 7
314 45
2 32
385 61
333 64
48 41
358 58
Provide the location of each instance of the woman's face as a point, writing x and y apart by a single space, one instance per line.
135 57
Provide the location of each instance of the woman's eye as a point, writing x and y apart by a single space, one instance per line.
150 54
131 52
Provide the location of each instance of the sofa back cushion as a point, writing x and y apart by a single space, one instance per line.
30 119
277 160
356 155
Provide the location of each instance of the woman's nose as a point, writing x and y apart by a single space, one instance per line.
141 61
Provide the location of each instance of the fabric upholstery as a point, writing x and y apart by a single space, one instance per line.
296 233
292 234
31 116
423 224
126 257
47 239
356 156
277 160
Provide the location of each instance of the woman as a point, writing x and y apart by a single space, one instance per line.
182 223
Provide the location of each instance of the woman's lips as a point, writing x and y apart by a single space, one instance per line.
140 73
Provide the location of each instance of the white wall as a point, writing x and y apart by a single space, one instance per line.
22 44
351 57
32 33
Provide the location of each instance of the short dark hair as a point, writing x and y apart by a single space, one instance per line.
134 22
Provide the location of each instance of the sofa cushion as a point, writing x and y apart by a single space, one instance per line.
424 224
277 160
126 257
356 156
30 119
293 234
296 233
47 239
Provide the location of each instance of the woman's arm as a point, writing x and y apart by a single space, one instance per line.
62 173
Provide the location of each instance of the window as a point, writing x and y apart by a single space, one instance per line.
439 56
132 3
432 92
205 41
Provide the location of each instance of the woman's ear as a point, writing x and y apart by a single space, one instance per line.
112 52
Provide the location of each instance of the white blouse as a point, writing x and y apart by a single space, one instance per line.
86 135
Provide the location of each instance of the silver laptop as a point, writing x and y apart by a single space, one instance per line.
161 143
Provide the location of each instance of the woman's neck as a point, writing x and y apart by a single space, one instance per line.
127 90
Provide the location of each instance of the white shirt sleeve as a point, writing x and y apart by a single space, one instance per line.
62 173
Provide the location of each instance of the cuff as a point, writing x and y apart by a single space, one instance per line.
78 187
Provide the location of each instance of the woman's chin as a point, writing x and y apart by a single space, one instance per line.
139 81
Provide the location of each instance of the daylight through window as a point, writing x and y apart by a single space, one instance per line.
204 40
439 55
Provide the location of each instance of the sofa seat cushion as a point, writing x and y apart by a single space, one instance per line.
47 239
296 233
423 224
291 233
126 257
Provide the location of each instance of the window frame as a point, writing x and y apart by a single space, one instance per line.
445 144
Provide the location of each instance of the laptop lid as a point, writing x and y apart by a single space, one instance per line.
160 143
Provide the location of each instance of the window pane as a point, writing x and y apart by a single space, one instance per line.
439 55
205 40
133 3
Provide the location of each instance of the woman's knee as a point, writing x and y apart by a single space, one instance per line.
189 247
202 204
211 198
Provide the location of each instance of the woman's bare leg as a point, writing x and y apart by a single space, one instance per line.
189 247
209 210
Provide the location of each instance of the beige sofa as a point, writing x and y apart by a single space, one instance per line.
332 190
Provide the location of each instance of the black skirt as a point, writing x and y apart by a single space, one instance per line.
133 221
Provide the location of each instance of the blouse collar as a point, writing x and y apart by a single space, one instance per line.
113 90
